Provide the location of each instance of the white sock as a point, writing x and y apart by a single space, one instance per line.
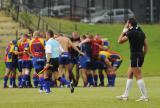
128 87
142 87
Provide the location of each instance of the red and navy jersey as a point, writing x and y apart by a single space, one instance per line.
37 47
96 43
23 45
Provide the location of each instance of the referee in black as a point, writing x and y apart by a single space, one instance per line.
138 50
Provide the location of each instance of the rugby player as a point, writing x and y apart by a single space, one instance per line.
85 61
101 65
23 51
74 58
37 50
96 47
9 63
17 51
15 65
113 61
65 56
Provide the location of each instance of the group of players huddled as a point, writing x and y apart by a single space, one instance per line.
87 55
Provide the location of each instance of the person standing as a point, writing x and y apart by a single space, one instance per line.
64 58
138 49
53 51
37 50
74 58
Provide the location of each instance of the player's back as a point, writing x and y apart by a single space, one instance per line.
87 48
113 55
37 47
64 41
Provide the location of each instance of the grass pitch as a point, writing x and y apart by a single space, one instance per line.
82 98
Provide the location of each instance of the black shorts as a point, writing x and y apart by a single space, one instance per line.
137 59
54 63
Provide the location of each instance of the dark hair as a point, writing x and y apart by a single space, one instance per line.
133 22
50 32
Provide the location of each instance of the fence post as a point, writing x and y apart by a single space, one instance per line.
76 28
43 26
17 13
16 34
39 19
46 27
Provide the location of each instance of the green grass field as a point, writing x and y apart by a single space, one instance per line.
93 97
82 98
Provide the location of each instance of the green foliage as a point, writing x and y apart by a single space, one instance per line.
24 17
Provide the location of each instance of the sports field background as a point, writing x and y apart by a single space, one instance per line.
112 31
93 97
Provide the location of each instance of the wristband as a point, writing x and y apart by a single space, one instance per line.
125 30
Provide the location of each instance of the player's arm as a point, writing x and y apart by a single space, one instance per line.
84 41
145 47
123 38
75 48
48 52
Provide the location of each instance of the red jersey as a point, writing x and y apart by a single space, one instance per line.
37 47
96 43
23 45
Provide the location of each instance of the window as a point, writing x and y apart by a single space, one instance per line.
119 12
126 12
110 13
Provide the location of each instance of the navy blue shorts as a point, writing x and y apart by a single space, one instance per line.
74 60
64 58
99 65
116 64
38 63
84 62
20 65
9 65
15 63
27 64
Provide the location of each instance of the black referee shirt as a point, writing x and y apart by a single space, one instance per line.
136 39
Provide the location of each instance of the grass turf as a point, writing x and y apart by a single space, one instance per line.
82 98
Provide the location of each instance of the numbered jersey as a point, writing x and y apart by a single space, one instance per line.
37 47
